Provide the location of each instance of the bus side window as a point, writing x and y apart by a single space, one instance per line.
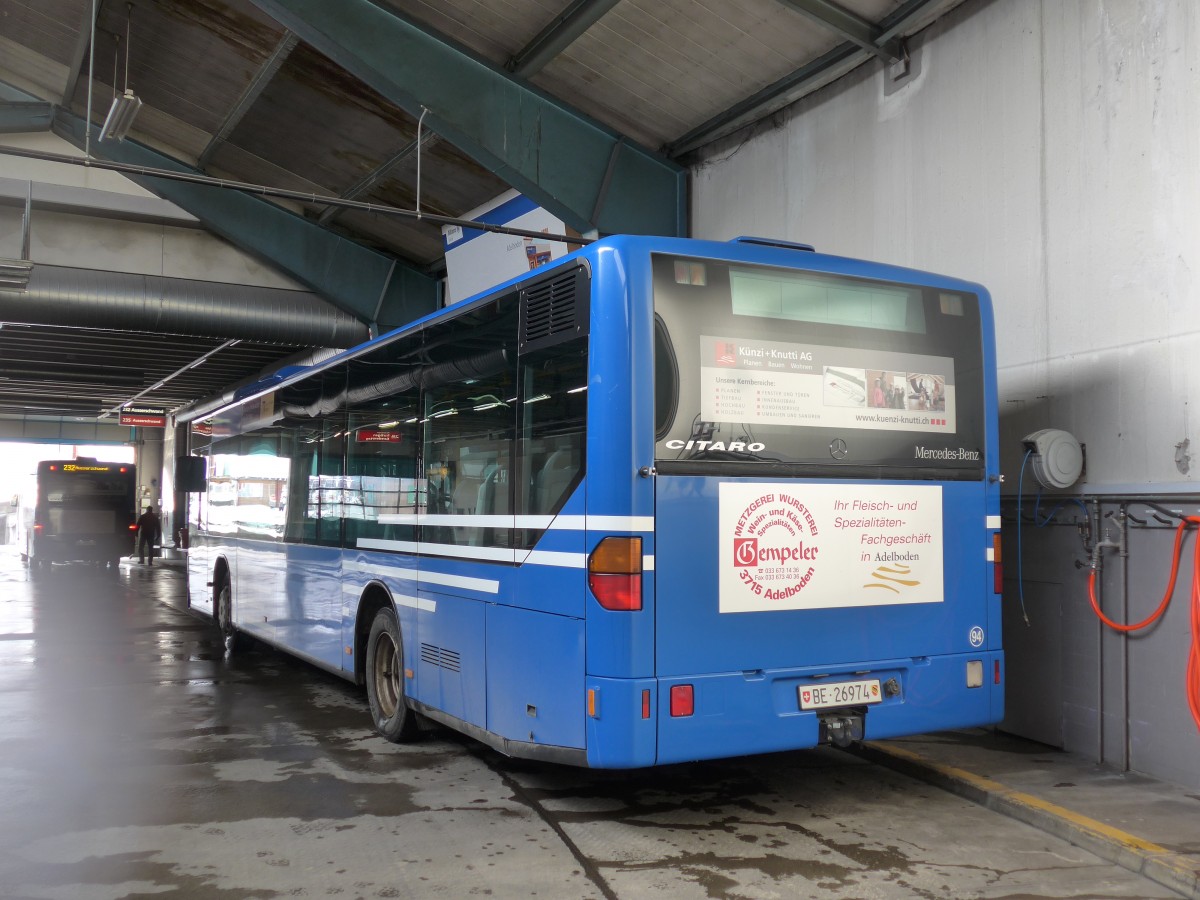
553 479
468 413
553 410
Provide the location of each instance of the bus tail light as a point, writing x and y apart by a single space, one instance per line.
645 704
996 672
683 700
997 568
615 573
133 526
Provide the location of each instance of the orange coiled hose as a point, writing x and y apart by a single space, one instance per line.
1193 664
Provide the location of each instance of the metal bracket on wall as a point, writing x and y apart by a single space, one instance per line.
15 273
902 70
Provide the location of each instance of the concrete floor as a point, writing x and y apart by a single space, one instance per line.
137 761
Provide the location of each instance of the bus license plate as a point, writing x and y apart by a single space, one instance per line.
839 693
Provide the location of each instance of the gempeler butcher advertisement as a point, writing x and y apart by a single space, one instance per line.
817 546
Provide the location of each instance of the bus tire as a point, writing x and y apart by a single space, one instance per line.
233 639
385 680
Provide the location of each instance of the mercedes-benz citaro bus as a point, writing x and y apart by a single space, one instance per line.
660 500
84 511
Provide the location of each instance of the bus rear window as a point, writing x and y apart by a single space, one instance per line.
777 367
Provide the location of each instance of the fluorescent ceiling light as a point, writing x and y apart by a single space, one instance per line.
120 116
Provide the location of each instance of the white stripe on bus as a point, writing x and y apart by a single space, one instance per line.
602 523
554 558
423 576
400 600
490 554
553 523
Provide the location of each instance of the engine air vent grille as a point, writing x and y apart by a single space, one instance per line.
554 309
441 657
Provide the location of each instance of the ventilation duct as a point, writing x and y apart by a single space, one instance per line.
120 301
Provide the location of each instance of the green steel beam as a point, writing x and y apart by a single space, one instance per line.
87 27
250 95
371 286
18 117
558 35
378 174
850 26
774 97
580 170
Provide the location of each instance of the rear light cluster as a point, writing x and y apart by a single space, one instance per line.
615 578
615 573
975 673
683 700
997 568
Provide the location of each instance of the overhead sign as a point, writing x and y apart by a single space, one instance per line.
144 416
370 436
477 260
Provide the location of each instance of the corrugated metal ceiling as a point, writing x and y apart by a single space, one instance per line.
226 85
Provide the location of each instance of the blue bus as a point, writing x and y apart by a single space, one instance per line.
660 500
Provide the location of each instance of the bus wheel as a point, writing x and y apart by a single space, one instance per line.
232 637
385 680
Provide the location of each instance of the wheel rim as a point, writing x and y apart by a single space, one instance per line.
225 612
387 675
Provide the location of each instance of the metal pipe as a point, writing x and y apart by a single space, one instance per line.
87 298
191 365
87 126
1123 522
1098 566
280 193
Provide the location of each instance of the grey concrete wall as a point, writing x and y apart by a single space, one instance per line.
108 242
1049 149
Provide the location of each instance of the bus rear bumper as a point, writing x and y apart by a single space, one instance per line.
741 713
81 550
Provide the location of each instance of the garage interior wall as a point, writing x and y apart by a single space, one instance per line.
176 246
110 224
1048 150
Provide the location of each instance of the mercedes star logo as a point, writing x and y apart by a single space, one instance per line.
838 449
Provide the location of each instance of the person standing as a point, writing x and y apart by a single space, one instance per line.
149 530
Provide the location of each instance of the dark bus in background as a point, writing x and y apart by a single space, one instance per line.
85 511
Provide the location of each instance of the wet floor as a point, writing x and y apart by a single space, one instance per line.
136 760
